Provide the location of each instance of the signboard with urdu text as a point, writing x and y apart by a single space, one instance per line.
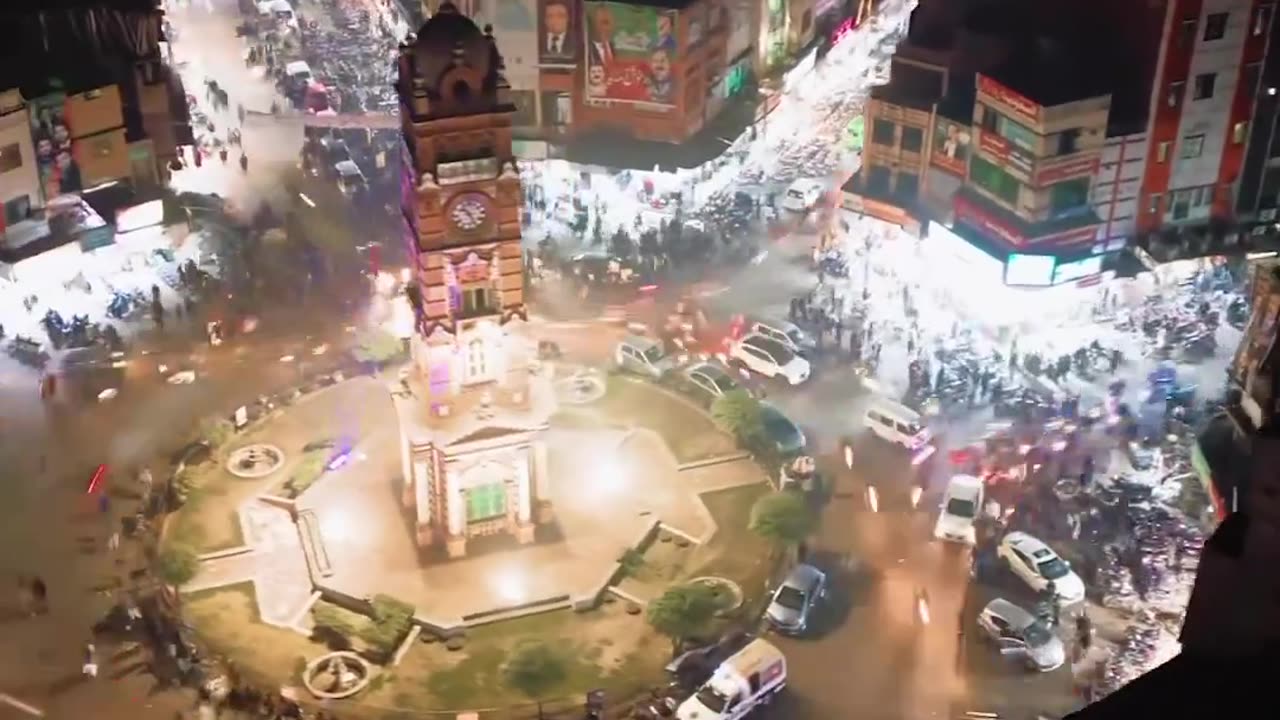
630 51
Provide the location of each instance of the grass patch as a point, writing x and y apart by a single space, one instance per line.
735 552
226 620
687 431
205 523
603 648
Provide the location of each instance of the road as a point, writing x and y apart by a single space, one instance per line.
49 451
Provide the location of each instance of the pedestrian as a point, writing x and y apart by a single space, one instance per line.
244 162
90 667
39 596
839 331
240 112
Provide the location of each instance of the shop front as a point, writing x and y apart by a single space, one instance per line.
863 206
1010 289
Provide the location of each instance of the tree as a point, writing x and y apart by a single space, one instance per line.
377 346
782 518
216 431
535 669
738 413
177 565
682 612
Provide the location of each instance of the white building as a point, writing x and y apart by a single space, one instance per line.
19 175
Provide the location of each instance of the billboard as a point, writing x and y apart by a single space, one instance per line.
51 136
558 35
951 146
630 50
1029 270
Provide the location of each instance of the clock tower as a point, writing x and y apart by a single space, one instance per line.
473 402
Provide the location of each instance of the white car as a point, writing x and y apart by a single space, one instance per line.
960 507
802 195
769 358
1037 565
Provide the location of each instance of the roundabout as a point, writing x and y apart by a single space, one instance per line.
252 462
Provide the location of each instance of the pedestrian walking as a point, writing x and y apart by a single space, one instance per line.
244 162
90 667
39 596
104 503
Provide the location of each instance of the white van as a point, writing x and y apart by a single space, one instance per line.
802 195
897 423
745 681
960 507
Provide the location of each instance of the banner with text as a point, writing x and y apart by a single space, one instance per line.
630 51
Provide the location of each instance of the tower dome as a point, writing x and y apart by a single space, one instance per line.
450 40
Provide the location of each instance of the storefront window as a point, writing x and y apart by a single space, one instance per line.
878 180
1016 133
908 185
882 132
993 180
1066 198
912 139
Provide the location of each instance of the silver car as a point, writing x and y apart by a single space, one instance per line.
793 602
1020 635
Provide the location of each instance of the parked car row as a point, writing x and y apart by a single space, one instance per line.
703 381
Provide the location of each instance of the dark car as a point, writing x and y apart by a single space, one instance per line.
786 435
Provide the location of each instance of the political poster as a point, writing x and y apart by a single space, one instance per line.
630 51
557 34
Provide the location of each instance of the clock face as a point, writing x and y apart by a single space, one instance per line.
469 212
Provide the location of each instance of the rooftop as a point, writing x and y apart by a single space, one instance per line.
910 86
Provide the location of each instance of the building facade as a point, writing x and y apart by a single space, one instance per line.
1207 82
19 176
472 407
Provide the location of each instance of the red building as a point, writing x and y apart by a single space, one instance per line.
1202 99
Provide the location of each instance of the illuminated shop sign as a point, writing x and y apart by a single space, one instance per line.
148 214
1018 106
1029 270
1077 269
1068 170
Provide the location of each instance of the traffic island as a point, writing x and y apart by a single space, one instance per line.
685 428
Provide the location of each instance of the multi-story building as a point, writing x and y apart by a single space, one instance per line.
1090 137
19 177
99 107
1207 86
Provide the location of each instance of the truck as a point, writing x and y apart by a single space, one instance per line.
746 680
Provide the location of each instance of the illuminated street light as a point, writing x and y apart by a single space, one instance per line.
286 358
873 499
848 456
307 200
